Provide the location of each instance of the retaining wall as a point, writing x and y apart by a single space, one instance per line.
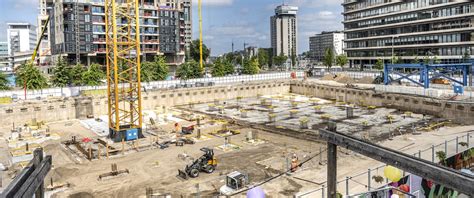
81 107
458 112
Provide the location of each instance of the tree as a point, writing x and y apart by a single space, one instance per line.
30 76
379 64
189 70
341 60
4 82
293 58
62 74
154 71
76 74
195 53
251 66
228 67
328 58
93 76
466 57
280 60
218 69
397 60
263 57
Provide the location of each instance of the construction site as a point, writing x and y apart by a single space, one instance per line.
330 135
255 128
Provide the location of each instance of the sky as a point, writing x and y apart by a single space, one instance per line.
224 21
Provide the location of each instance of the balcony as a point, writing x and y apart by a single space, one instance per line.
152 41
99 40
100 50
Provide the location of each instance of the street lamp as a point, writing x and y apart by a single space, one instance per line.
393 47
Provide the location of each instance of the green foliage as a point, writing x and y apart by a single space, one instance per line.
62 74
280 60
218 69
328 59
416 60
4 82
195 53
93 76
251 66
396 60
379 64
154 71
189 70
76 74
341 60
441 155
222 67
293 58
31 76
466 57
263 57
436 60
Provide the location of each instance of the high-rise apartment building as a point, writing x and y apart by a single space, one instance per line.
78 30
410 29
284 31
21 37
319 43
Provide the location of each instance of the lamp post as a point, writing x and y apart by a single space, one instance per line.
393 48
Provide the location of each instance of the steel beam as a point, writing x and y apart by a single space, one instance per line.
441 175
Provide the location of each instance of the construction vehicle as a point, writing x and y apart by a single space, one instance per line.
206 163
233 182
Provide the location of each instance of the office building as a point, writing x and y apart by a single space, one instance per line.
284 31
78 30
411 29
318 44
21 37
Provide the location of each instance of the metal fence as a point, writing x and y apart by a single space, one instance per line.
75 91
364 182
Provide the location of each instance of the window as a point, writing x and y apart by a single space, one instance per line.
87 18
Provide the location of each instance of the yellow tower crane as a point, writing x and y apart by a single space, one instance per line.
123 69
201 61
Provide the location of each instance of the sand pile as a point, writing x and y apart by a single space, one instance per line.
328 77
366 80
344 79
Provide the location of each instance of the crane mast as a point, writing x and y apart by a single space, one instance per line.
123 69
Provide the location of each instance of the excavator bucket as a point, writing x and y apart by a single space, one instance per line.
182 175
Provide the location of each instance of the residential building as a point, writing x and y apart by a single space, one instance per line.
409 29
21 37
319 43
44 51
251 51
3 55
284 31
78 30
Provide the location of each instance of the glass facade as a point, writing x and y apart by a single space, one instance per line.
412 28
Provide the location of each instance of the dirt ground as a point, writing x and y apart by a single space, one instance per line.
157 168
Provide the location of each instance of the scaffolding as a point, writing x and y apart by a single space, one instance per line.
426 73
123 69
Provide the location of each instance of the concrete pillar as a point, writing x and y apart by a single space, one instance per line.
332 165
332 170
349 112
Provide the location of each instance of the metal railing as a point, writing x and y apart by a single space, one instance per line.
76 91
363 182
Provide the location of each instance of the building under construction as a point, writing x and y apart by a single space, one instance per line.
77 30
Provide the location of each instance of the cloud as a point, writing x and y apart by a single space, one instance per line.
315 4
215 2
